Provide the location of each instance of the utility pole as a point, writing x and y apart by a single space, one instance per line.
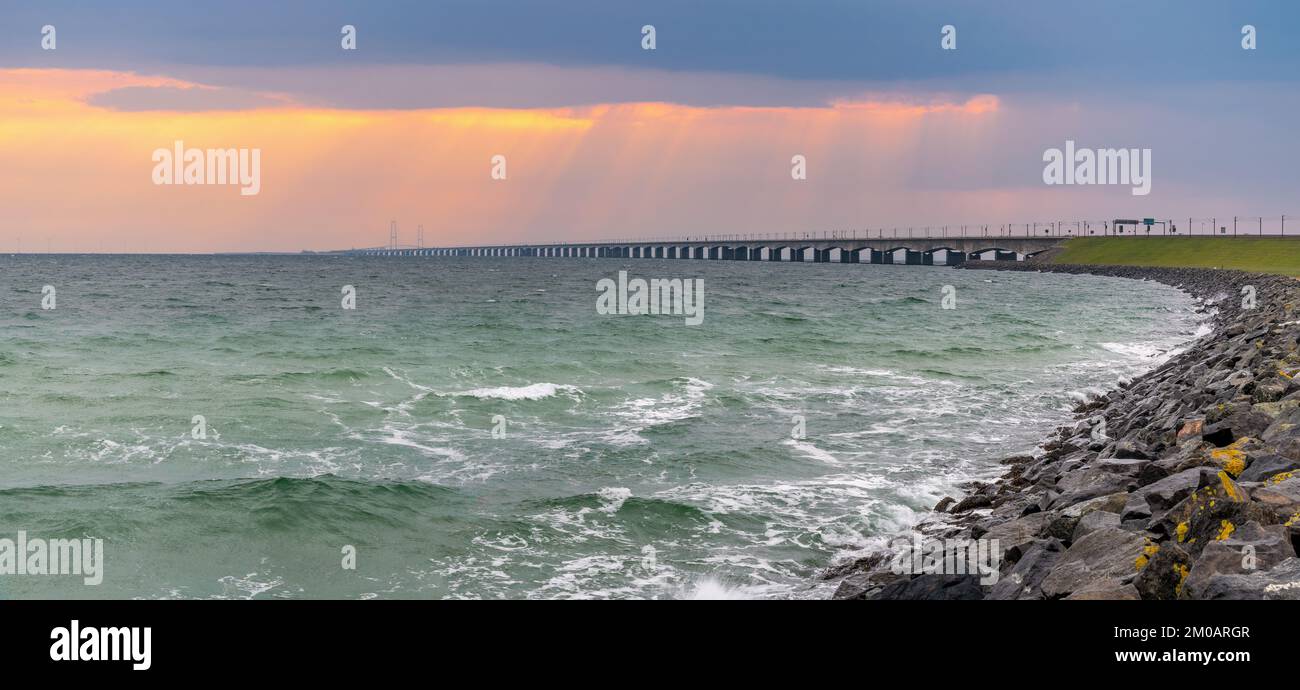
392 234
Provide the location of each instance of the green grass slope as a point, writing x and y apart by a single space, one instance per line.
1262 254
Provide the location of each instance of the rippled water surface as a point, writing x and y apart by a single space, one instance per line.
641 457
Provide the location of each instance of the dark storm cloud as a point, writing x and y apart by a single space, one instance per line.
1122 41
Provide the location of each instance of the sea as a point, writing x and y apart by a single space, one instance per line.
475 428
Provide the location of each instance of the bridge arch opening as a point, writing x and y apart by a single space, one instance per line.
996 254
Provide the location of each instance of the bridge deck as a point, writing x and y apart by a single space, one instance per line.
919 250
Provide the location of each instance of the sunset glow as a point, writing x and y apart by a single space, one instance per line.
334 176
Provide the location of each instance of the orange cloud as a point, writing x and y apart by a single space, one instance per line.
332 178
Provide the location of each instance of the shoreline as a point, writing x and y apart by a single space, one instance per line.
1179 484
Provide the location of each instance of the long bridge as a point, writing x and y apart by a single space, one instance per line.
926 251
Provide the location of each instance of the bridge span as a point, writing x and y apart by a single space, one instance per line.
926 251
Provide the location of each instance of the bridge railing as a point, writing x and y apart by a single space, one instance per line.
1239 226
1236 226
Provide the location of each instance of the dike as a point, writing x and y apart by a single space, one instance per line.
1181 484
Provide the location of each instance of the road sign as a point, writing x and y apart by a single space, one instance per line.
1148 221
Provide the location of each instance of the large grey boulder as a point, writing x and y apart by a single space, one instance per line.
1248 548
1268 465
1024 579
1162 575
934 588
1108 553
1014 534
1282 582
1092 522
1093 482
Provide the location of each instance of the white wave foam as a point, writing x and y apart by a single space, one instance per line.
710 589
248 586
613 497
535 391
671 407
1135 350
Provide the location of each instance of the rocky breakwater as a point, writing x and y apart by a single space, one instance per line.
1182 484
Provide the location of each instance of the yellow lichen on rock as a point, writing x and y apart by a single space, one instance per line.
1182 572
1230 459
1226 530
1230 488
1144 558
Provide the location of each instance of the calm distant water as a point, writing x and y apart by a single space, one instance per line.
641 457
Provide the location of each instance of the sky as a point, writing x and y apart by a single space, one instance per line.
603 139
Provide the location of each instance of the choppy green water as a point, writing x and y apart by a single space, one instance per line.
641 457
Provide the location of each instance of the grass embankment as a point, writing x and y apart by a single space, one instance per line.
1262 254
